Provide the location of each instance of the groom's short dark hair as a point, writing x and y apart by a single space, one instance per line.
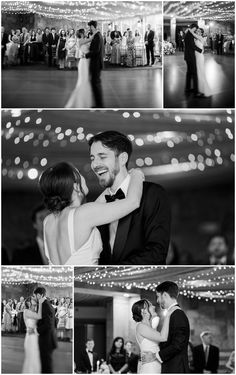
93 23
115 141
169 287
193 25
40 290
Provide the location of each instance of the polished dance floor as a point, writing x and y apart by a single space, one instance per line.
42 87
13 356
220 77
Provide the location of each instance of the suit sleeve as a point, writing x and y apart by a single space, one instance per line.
156 224
95 48
180 335
216 359
47 321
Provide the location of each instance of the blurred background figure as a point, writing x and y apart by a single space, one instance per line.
131 357
230 365
218 251
87 360
117 358
206 356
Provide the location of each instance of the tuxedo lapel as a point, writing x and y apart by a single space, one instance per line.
121 236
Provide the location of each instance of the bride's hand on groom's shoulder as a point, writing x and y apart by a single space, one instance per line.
136 172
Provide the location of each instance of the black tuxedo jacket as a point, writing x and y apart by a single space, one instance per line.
132 361
52 40
46 38
116 34
27 255
190 48
96 53
199 361
142 237
174 352
46 328
149 37
84 364
4 40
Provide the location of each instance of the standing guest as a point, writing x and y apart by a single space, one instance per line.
149 43
130 60
33 253
71 49
132 358
39 41
33 47
206 356
45 39
61 49
219 43
115 42
3 304
7 317
4 44
230 364
24 39
61 314
52 46
20 315
218 251
87 359
181 41
69 318
117 358
13 52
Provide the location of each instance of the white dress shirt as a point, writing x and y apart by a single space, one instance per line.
90 355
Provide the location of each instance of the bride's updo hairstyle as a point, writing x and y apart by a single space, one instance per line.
80 33
137 309
57 184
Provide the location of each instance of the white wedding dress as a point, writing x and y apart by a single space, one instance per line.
82 95
203 86
32 362
147 345
88 253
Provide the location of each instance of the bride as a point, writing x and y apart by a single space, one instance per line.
82 95
32 362
146 335
203 86
70 232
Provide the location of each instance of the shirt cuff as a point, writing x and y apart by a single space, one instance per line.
158 357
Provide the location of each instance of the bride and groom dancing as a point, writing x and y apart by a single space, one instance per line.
194 57
88 90
165 351
40 339
129 223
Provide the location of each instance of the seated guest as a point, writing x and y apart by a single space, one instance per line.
206 356
132 358
117 358
87 359
33 252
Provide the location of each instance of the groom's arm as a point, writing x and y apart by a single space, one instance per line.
180 336
95 47
45 324
156 223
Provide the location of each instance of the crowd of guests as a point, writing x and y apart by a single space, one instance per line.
122 359
60 48
217 42
13 316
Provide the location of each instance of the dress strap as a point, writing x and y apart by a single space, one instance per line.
71 230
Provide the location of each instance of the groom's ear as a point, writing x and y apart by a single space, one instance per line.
123 158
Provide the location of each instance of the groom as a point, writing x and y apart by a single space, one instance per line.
96 63
173 353
190 58
142 237
46 330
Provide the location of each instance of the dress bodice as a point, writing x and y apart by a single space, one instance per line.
84 48
147 345
31 323
199 44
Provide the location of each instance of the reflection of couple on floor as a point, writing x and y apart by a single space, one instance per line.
165 351
40 339
194 57
129 223
88 90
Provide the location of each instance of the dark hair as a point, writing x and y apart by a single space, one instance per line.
27 302
137 309
61 32
40 290
193 25
89 339
219 234
53 28
57 184
169 287
113 348
36 210
93 23
79 32
113 140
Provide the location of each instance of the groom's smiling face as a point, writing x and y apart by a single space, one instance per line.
105 163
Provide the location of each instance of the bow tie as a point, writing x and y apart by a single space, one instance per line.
118 195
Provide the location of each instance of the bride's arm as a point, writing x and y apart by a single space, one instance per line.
196 36
99 213
150 333
33 315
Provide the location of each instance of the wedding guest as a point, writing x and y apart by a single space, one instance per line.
33 47
218 251
130 59
4 44
206 356
115 42
230 364
108 45
39 40
87 359
20 315
181 41
61 49
117 358
24 39
132 358
52 46
71 49
190 357
32 253
149 43
3 304
13 52
219 43
69 318
46 48
7 317
62 315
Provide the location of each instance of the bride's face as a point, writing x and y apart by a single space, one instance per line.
33 301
